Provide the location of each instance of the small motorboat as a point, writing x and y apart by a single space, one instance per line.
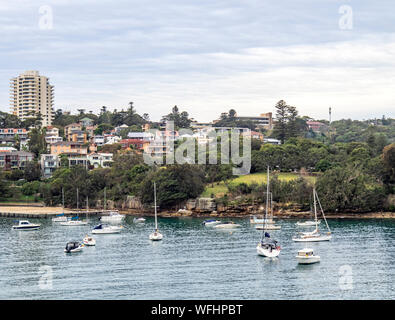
74 221
25 225
73 246
60 218
106 229
307 223
113 216
227 225
211 222
156 235
306 256
89 241
139 220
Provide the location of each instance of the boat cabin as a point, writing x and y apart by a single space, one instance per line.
306 253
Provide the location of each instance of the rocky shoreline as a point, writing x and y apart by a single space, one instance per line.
278 214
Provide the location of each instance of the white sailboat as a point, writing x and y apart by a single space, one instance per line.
267 247
268 222
314 235
74 221
156 235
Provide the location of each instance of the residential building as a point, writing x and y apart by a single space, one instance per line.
78 136
49 163
111 139
254 135
15 159
68 147
141 136
68 130
86 122
271 141
52 135
264 120
98 140
8 135
317 126
90 130
32 94
102 160
136 144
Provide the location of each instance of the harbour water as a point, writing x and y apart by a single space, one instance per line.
196 262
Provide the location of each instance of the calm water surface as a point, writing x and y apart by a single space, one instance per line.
196 262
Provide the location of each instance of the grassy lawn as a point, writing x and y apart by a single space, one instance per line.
220 189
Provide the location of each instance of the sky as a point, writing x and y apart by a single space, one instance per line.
206 56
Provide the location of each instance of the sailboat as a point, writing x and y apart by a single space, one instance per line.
61 217
74 221
267 247
156 235
314 235
268 223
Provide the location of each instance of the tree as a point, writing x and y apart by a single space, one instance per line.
32 171
175 184
37 143
280 127
181 120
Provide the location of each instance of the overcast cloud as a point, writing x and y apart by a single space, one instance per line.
206 56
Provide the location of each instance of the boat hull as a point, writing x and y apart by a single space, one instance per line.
267 252
156 237
73 223
308 260
268 227
79 249
211 223
26 228
106 231
313 239
227 226
307 223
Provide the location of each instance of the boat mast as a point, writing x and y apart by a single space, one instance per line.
156 219
77 199
326 222
62 200
105 201
315 211
267 204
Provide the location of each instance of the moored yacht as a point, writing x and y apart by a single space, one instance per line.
106 229
315 236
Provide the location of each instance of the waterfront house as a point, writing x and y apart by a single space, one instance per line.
15 159
68 147
49 163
